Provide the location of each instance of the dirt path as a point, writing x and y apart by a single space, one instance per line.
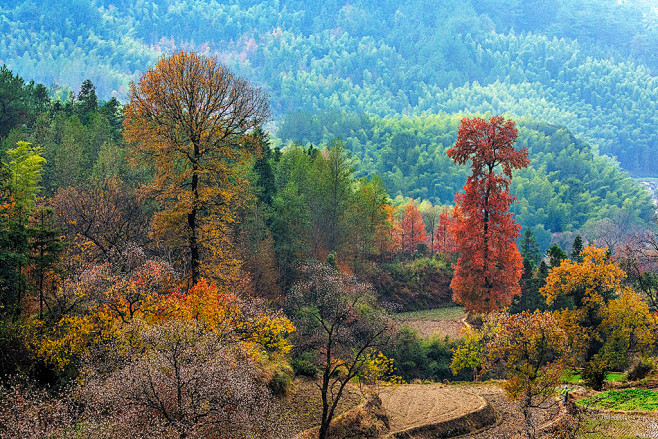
415 405
510 419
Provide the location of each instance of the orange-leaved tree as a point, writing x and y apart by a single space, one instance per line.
444 241
488 270
190 118
607 324
412 229
532 351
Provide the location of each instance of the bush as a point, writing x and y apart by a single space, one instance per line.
423 359
422 283
281 380
304 364
594 374
639 369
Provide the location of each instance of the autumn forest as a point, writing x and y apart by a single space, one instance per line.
277 220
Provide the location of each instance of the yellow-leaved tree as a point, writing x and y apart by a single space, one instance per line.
190 118
607 323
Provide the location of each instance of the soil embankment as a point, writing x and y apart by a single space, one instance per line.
419 411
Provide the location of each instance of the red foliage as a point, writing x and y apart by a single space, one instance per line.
412 230
490 266
444 239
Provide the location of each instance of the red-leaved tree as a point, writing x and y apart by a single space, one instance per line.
444 241
488 270
412 230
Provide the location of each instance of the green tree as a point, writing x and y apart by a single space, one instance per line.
46 248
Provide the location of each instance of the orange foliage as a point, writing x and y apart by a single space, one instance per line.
488 270
444 240
411 229
605 311
189 117
386 231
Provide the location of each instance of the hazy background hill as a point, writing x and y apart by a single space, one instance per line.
587 64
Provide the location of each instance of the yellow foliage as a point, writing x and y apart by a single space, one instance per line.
629 319
379 368
119 318
595 274
605 312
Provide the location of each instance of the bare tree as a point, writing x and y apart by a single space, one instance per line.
337 316
186 382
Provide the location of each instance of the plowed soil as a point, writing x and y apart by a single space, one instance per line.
429 328
414 405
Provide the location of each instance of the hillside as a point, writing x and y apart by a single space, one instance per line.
566 188
589 65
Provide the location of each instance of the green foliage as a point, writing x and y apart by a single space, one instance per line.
640 368
422 283
627 399
13 247
566 185
586 64
305 364
20 102
424 359
281 381
26 166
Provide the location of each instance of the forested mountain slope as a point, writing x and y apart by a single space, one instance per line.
566 188
587 64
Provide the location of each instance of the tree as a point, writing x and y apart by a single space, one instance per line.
190 116
636 258
20 103
13 246
605 322
533 351
333 191
577 249
337 317
367 217
490 265
26 166
87 102
431 216
445 242
46 247
182 380
101 220
412 230
555 255
529 248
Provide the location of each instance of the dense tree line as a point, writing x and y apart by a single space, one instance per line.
156 259
556 193
585 64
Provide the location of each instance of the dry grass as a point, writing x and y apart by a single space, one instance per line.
304 403
439 322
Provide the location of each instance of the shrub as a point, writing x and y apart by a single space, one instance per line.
594 374
305 364
422 359
639 369
281 380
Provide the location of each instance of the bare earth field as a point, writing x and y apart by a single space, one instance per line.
304 405
415 405
440 322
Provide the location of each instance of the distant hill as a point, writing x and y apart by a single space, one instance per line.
567 189
589 65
